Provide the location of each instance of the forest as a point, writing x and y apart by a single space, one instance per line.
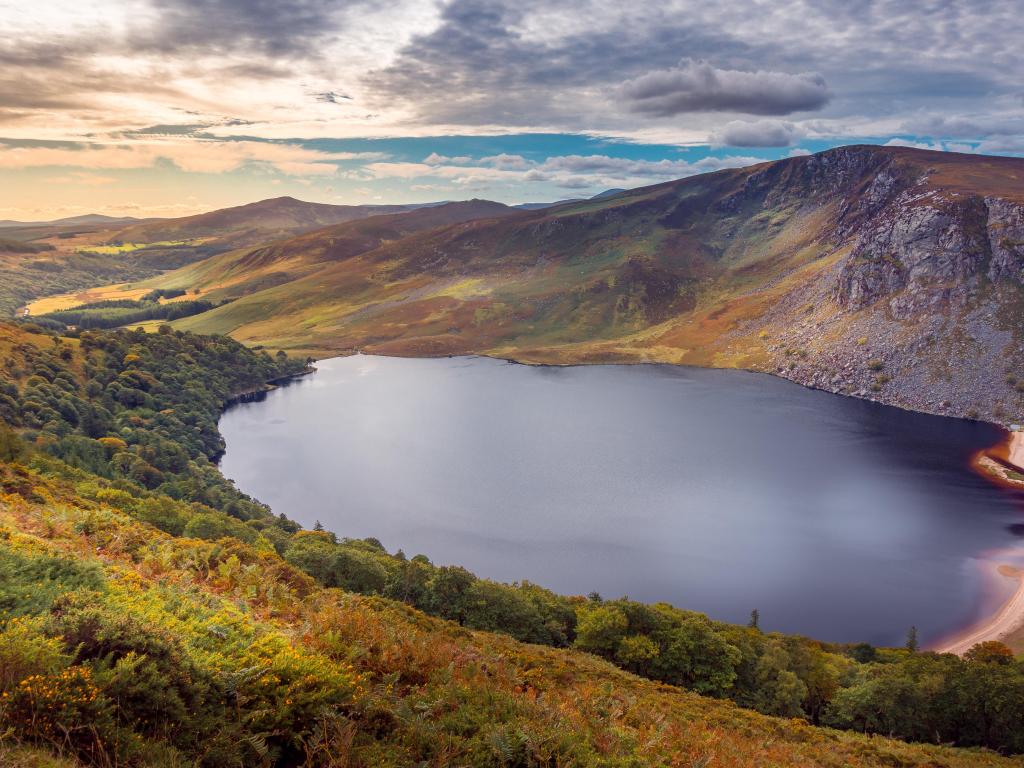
114 313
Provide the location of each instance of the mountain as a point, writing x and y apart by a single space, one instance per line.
539 206
250 224
89 219
884 272
243 271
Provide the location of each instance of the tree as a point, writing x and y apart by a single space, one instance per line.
912 644
780 691
600 629
448 592
694 656
636 652
11 447
863 653
989 652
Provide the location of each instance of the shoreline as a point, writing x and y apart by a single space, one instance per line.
1005 621
998 464
1002 465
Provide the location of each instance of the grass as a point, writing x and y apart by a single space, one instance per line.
121 248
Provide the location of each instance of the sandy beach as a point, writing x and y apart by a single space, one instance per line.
1015 450
1008 619
998 465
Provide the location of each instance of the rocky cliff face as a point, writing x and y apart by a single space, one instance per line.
926 249
925 309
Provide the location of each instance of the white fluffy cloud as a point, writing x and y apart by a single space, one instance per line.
566 171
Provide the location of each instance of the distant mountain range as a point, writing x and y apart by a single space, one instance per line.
539 206
254 223
89 218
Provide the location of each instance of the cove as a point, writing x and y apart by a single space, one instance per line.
715 490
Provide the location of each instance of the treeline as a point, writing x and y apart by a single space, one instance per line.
119 312
11 245
131 418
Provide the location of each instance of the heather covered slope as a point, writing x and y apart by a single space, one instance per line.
149 650
244 271
251 224
879 271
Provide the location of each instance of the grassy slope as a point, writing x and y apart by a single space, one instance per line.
89 255
644 276
253 223
424 689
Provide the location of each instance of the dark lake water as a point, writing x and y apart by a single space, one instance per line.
718 491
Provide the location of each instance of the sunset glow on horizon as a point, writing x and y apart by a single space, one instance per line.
133 107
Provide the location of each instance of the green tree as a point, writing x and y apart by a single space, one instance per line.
600 628
694 656
780 691
912 644
11 447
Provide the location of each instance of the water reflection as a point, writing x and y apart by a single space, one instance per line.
720 491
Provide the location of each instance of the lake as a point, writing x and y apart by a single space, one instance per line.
717 491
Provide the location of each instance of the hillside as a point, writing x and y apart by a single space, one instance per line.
165 651
246 270
98 251
152 615
250 224
883 272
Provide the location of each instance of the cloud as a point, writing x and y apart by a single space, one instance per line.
564 171
1002 144
82 178
898 142
435 159
759 133
507 162
276 28
697 86
331 97
187 154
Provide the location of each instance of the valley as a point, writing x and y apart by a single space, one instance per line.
885 273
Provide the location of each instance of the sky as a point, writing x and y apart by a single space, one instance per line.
171 107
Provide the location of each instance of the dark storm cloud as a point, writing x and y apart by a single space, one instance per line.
478 67
276 28
500 62
759 133
697 86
